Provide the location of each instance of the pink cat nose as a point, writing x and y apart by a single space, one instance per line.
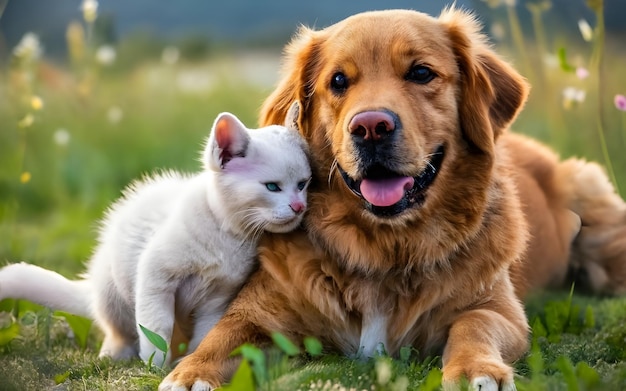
297 207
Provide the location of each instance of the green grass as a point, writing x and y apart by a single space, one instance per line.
585 357
52 194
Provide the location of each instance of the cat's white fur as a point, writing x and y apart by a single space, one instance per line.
179 247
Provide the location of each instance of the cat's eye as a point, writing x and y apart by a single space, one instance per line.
302 184
271 186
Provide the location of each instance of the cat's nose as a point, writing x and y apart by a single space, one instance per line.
297 207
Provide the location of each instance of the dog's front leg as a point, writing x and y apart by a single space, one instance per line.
210 365
482 343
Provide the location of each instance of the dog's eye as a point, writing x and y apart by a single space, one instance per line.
339 82
420 74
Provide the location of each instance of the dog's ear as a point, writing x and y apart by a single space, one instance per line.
491 91
301 64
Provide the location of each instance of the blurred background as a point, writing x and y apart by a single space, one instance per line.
94 94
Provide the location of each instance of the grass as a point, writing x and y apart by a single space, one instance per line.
575 355
66 155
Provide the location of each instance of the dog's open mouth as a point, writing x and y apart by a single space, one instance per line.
388 193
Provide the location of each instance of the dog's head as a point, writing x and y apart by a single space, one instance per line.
400 110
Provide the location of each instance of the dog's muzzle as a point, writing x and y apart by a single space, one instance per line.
387 193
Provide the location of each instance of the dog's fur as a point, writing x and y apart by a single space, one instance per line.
444 269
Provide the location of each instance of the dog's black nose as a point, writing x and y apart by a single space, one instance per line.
372 125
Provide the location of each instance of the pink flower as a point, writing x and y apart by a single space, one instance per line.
582 73
620 102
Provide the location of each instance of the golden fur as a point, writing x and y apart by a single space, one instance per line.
445 275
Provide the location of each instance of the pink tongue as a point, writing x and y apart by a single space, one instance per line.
385 192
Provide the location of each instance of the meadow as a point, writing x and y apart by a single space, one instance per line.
75 133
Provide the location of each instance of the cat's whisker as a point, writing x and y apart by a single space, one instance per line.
255 223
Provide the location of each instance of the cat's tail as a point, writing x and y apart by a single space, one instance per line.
45 287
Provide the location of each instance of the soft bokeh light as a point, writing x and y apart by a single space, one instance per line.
90 10
115 114
620 102
106 55
25 177
582 73
170 55
61 137
36 103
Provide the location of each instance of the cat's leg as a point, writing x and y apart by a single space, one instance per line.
116 319
154 305
205 317
113 312
117 346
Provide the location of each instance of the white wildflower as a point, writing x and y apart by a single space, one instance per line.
106 54
585 30
29 48
90 10
573 95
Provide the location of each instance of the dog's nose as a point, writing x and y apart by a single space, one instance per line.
372 125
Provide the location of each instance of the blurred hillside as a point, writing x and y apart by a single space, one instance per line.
233 23
239 23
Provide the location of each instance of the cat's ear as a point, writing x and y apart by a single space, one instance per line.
292 119
229 138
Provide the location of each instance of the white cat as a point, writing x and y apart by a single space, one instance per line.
178 247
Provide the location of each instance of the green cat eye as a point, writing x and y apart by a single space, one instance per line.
271 186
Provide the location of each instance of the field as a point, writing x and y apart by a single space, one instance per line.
73 135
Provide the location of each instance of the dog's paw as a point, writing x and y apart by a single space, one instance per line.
481 383
487 383
191 375
488 375
198 385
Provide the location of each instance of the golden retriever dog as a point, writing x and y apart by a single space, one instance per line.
428 221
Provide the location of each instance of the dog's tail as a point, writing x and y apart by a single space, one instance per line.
599 250
590 193
45 287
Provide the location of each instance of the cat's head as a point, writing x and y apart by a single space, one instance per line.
261 174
